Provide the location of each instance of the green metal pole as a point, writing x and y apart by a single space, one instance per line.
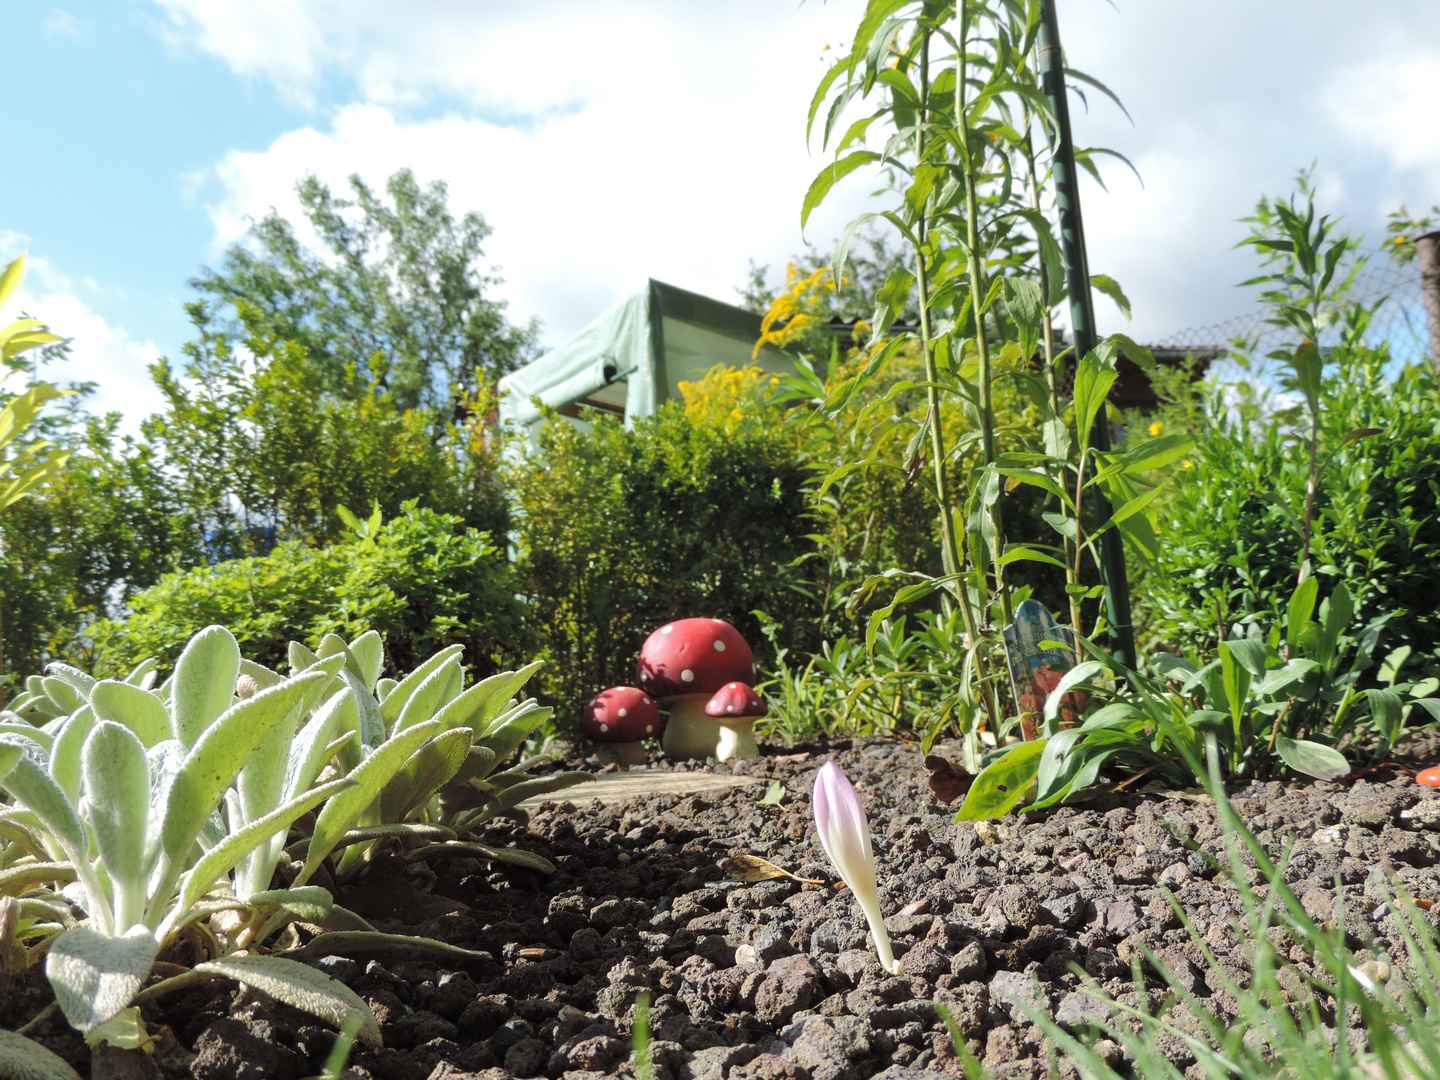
1082 313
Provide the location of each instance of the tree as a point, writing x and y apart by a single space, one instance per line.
264 443
398 294
34 460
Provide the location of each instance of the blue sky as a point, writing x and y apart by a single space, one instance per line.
118 120
613 141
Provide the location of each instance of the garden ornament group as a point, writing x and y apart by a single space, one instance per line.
682 666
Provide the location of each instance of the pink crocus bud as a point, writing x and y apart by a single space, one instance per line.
845 835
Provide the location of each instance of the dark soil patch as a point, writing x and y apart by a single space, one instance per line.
776 979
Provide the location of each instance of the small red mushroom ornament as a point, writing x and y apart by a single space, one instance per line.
681 666
1429 776
620 718
735 708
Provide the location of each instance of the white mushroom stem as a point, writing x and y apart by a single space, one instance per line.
625 754
737 739
689 733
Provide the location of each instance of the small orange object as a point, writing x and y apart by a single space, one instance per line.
1429 776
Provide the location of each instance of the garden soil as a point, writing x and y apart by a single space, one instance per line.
775 980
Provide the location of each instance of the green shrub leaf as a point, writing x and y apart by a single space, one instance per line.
1312 758
1003 783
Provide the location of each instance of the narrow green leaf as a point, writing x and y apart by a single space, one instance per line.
829 177
218 861
427 697
515 727
487 699
396 700
427 770
368 652
219 754
1022 552
374 943
43 797
1111 288
117 783
515 794
1094 375
1157 453
12 276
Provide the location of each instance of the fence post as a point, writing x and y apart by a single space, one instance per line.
1427 253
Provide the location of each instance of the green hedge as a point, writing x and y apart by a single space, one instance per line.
423 581
1230 530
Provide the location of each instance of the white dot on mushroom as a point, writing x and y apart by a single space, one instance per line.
622 713
719 646
687 675
604 728
666 629
649 728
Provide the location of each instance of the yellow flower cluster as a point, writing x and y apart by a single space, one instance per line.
798 309
719 397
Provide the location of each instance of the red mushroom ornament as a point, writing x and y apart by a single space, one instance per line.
620 717
681 666
1429 776
735 708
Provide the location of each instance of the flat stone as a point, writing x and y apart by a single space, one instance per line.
642 783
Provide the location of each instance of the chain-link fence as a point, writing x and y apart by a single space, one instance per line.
1399 319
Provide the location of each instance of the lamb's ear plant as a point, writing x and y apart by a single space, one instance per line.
126 800
425 753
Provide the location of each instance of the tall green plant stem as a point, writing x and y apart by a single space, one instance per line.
951 554
978 291
1309 497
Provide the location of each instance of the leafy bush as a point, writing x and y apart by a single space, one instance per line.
1231 527
700 510
422 581
108 526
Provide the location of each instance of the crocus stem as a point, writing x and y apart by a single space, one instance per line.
870 905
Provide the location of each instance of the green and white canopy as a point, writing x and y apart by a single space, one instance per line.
632 359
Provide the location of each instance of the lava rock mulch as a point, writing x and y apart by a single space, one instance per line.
776 980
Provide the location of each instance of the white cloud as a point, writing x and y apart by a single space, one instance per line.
61 25
609 142
100 352
1388 107
680 163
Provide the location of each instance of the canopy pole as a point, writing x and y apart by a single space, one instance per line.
1082 314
